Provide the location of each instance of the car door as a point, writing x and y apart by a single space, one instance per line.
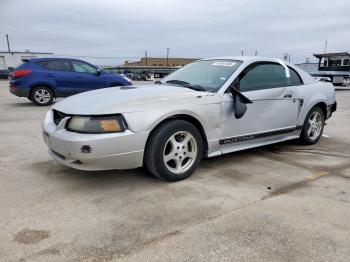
60 73
86 77
274 110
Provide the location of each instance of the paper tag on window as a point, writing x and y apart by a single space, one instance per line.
224 63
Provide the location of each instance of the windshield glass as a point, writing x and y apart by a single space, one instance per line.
205 75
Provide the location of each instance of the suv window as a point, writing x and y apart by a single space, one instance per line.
58 65
263 76
83 67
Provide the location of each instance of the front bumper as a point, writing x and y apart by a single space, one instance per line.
330 109
94 151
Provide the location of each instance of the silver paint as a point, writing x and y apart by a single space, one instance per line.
145 107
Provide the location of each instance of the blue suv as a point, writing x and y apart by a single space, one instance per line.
43 79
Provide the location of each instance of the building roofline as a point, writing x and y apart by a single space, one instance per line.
152 57
331 54
19 52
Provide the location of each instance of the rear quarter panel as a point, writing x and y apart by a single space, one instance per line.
312 94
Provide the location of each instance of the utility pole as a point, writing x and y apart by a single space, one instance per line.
325 46
242 52
8 43
167 56
256 52
146 57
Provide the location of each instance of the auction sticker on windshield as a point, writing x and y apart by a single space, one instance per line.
224 63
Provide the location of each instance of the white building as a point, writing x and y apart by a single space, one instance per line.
14 59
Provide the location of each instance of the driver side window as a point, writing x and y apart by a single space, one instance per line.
83 67
263 76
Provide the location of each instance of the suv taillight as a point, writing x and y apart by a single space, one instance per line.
19 73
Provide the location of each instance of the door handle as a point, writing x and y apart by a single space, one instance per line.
288 96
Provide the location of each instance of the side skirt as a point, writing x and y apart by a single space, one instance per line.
238 143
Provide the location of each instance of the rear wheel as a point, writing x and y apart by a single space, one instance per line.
174 150
41 96
313 126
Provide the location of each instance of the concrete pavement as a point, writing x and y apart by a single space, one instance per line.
284 202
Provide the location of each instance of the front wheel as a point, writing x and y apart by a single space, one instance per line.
313 126
174 150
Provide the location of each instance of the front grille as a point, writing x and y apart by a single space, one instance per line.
58 116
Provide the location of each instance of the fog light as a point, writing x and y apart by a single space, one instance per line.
86 149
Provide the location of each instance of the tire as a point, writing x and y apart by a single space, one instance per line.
313 126
166 143
41 96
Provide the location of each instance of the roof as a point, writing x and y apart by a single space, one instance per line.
17 52
54 58
249 59
332 54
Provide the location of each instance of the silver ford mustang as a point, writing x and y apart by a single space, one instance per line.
205 109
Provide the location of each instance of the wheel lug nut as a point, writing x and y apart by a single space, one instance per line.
178 147
183 147
180 157
175 154
184 153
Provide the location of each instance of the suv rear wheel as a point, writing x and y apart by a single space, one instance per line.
41 96
174 150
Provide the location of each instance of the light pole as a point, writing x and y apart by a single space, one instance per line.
167 56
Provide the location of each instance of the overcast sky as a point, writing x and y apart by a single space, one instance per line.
190 28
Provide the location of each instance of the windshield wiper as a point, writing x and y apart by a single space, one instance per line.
186 84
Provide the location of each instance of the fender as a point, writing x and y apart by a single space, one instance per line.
44 83
153 119
307 105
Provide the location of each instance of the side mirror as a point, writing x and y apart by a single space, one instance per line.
240 101
98 71
239 107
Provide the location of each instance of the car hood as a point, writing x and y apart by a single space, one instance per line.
128 99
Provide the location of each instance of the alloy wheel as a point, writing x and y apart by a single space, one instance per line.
314 125
180 152
42 96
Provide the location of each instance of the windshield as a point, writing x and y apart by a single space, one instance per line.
205 75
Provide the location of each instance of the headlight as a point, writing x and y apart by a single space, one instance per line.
96 124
